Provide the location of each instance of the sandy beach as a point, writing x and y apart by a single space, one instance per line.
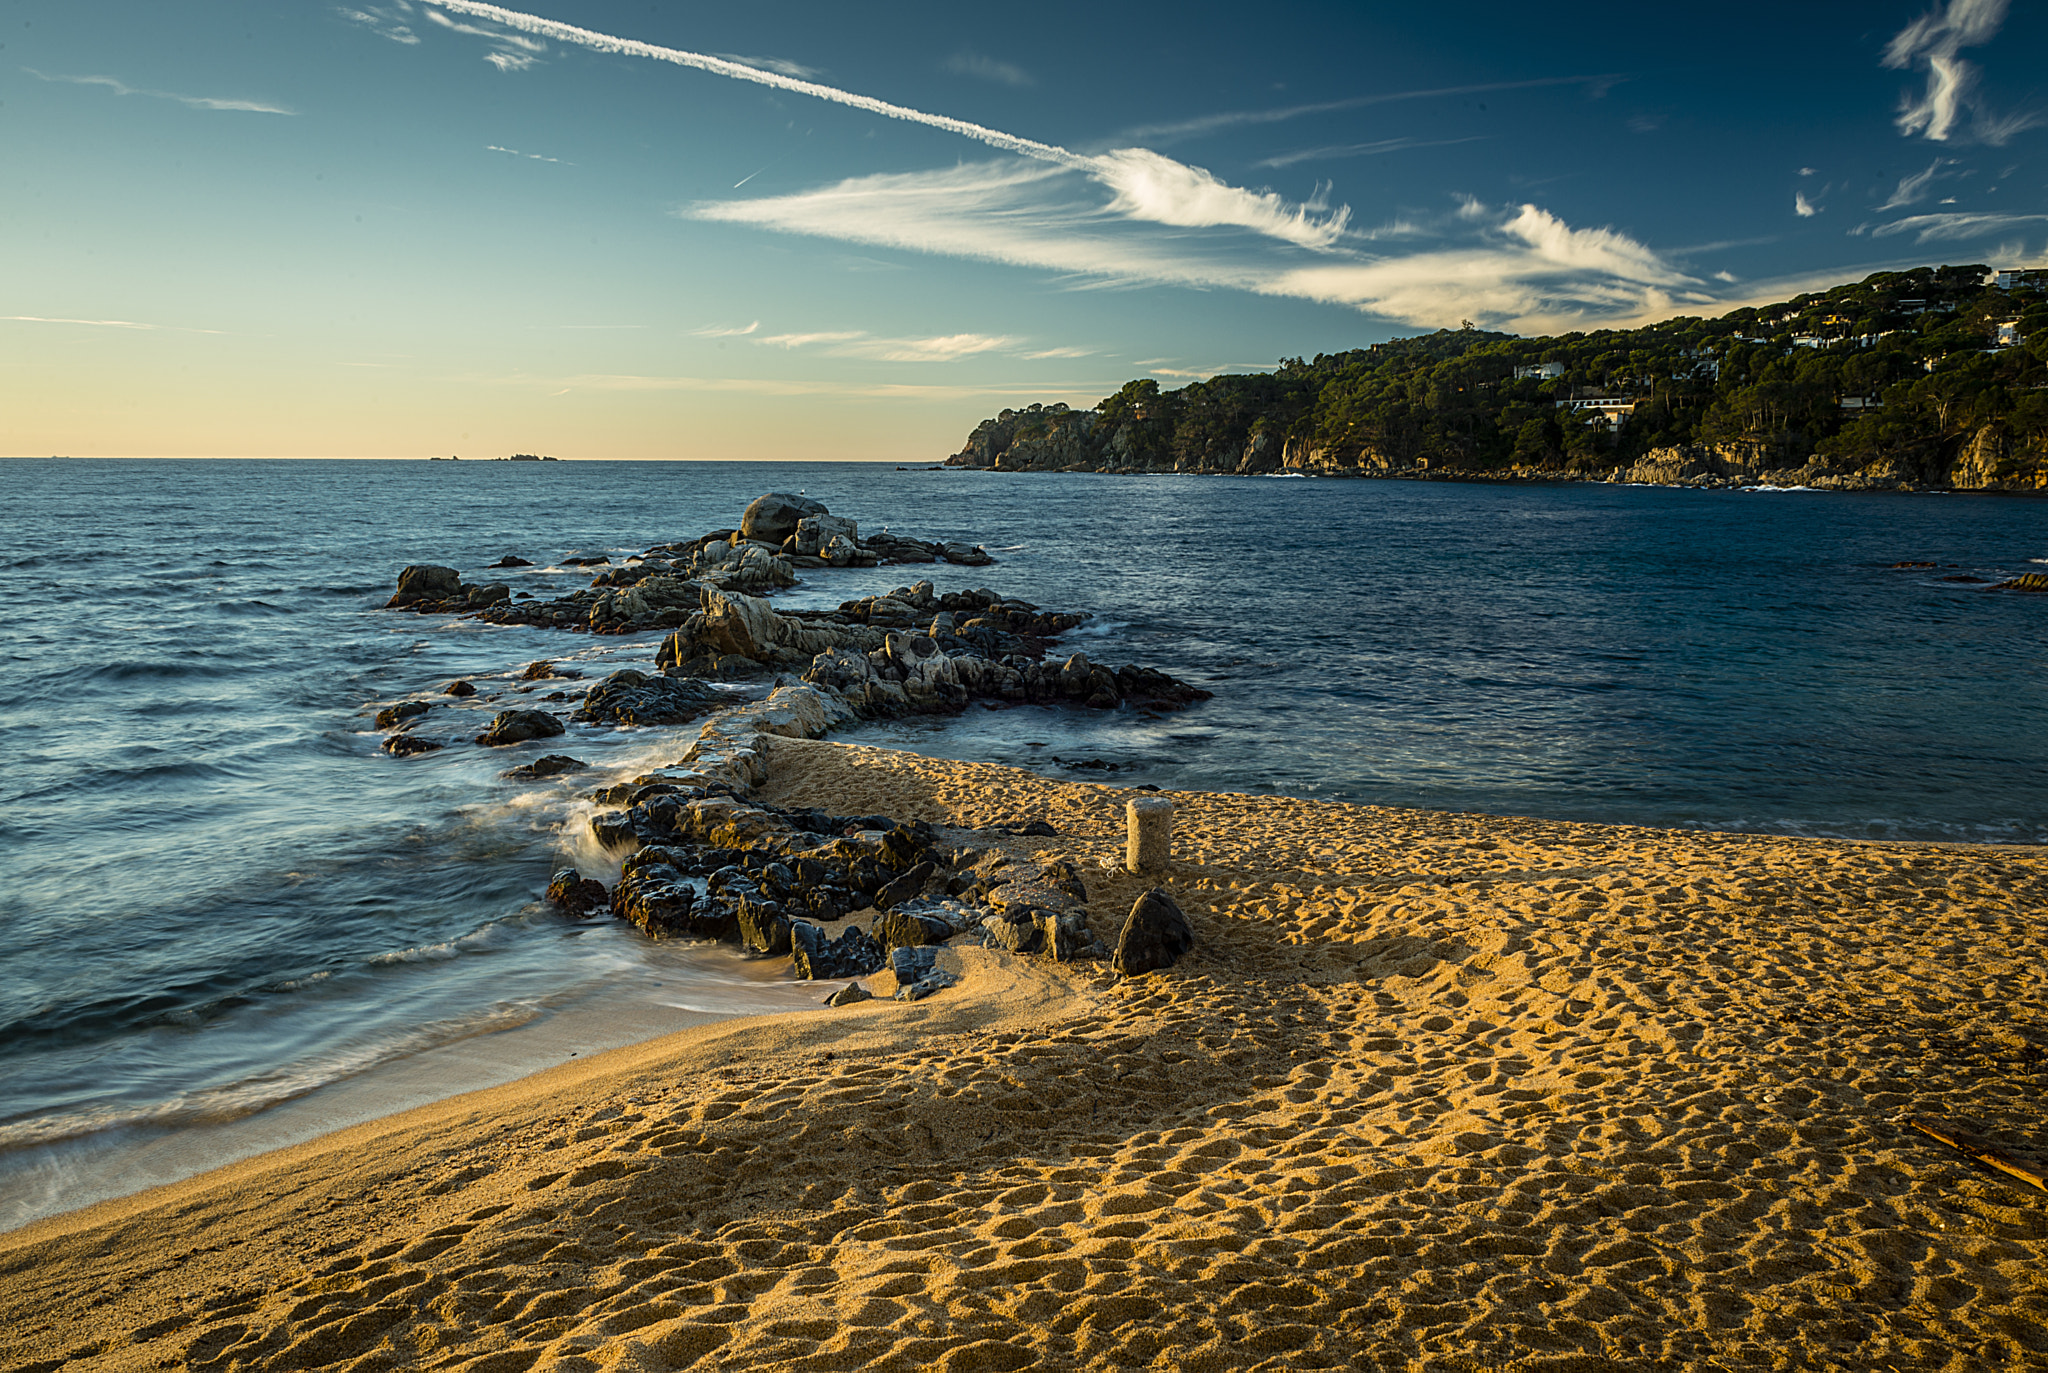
1433 1091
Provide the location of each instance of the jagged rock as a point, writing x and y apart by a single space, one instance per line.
458 687
549 765
393 716
773 517
628 697
852 994
425 582
918 974
653 894
511 560
853 954
910 884
408 745
518 726
764 929
966 555
911 929
572 891
2026 581
1155 935
813 532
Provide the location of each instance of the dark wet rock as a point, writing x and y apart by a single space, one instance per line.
629 697
1155 935
458 687
764 929
391 717
852 994
425 582
549 765
539 670
614 829
424 587
774 517
966 555
903 888
408 745
2027 581
511 560
593 560
518 726
572 891
853 954
654 894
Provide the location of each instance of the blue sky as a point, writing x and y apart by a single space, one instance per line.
796 230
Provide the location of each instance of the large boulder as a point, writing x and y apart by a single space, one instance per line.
774 517
1156 934
518 726
425 582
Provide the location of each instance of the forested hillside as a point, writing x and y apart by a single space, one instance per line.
1933 377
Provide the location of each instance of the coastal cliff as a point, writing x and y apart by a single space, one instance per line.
1935 379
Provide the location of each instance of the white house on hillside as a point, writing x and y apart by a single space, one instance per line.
1542 371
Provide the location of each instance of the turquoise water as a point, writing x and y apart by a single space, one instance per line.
224 897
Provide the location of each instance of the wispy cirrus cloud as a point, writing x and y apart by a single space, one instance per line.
968 62
1518 265
858 343
1385 145
1936 39
1933 228
534 157
726 331
196 102
1914 187
1234 119
108 324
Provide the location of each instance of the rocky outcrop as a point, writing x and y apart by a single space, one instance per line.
548 765
629 697
518 726
439 590
774 517
572 891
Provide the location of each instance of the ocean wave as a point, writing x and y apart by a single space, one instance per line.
231 1101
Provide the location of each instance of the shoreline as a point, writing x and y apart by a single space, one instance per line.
1432 1087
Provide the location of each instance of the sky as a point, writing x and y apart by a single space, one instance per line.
795 230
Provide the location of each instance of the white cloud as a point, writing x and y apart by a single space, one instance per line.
1069 352
1803 207
1518 265
1961 225
1912 188
385 21
806 340
514 152
1936 38
511 61
197 102
514 52
720 331
967 62
858 343
1154 187
107 324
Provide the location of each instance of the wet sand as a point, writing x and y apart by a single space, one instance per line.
1434 1091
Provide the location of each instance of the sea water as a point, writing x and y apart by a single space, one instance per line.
230 920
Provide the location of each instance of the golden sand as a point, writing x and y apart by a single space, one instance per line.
1433 1092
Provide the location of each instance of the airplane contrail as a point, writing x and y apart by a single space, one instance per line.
739 71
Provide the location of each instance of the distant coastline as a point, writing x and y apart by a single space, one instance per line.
1930 380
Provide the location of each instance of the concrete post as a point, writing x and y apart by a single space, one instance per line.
1150 847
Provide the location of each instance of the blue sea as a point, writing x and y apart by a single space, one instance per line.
232 921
